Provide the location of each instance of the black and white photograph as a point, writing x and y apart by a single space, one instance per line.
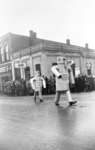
47 75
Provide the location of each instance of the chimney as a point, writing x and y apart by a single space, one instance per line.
32 34
68 41
86 45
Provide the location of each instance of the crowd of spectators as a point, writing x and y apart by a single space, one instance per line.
23 87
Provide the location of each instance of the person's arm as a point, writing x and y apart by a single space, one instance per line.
44 83
72 80
54 69
32 83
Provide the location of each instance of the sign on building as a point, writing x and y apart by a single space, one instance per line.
5 69
20 65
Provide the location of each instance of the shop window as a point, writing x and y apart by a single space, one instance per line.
89 72
38 67
77 71
17 74
89 69
27 73
5 78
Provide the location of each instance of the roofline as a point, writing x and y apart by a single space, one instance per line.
46 40
65 44
10 33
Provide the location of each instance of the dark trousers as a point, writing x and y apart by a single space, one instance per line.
59 93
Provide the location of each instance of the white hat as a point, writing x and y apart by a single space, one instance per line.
70 61
60 59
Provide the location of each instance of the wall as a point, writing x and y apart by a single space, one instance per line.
19 42
36 59
52 58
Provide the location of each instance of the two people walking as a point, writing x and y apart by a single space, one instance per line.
64 76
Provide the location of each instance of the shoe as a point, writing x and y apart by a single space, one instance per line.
72 103
41 100
57 104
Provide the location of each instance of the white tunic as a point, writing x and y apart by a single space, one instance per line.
62 84
37 82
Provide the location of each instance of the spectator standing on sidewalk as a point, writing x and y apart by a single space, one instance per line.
63 73
37 82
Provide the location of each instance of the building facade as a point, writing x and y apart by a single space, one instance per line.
9 44
21 56
44 54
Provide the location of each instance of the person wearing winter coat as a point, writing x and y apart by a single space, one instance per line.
64 75
37 82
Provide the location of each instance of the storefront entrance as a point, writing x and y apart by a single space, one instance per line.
27 73
17 74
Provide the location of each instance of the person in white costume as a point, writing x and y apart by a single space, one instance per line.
63 73
37 82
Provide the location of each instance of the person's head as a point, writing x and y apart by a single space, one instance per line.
54 64
70 62
61 60
37 73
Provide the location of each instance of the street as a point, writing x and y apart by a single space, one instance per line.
25 125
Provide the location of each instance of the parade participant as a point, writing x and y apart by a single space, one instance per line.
62 71
37 83
70 63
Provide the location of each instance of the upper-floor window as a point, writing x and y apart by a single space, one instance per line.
2 54
6 52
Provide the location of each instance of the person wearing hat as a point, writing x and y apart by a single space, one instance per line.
62 79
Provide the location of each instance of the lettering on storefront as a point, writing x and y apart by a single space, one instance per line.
5 69
20 65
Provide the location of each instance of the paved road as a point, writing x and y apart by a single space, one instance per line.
25 125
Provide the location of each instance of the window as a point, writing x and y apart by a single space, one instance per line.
6 52
27 73
38 67
89 69
17 74
2 54
89 72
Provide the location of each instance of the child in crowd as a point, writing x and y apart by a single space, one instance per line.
37 83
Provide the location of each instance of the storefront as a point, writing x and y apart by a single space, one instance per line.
22 68
5 74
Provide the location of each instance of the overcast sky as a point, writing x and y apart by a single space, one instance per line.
52 19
